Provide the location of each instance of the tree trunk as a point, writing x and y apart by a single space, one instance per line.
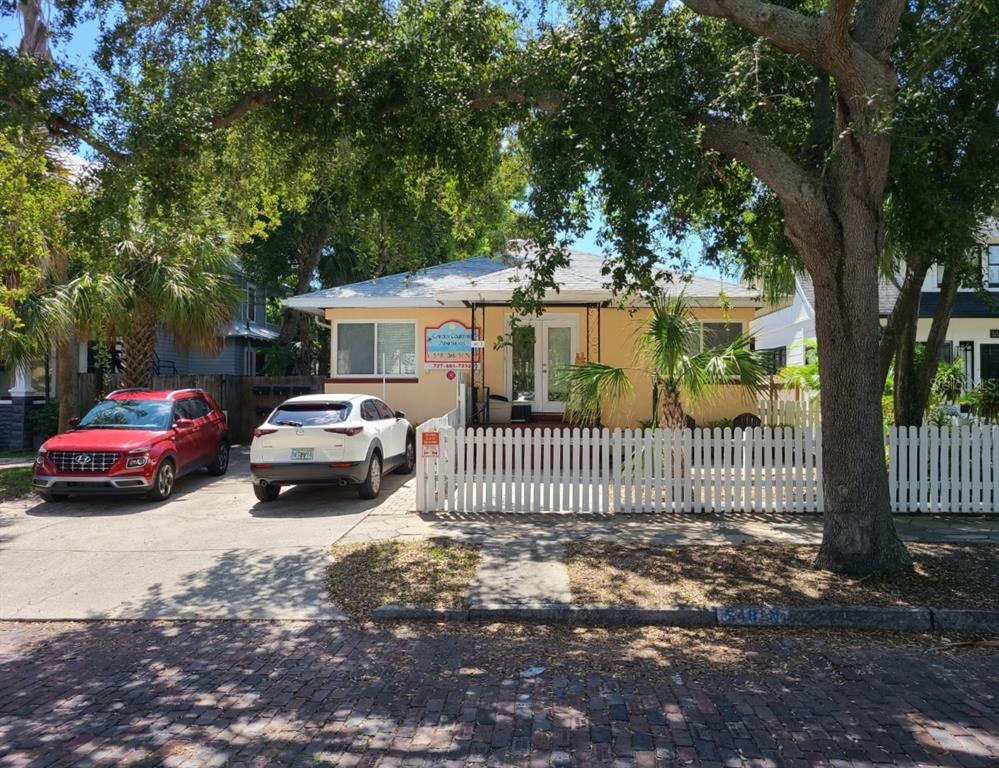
914 382
66 373
859 534
671 414
296 326
140 350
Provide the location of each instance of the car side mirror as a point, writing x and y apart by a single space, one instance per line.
183 424
74 421
400 415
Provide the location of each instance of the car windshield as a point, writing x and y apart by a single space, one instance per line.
129 414
309 414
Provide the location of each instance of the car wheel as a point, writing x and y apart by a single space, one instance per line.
52 497
220 463
409 462
266 492
373 482
163 481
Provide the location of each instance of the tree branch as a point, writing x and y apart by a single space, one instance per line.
877 25
790 182
789 30
60 125
839 14
819 139
241 107
814 39
546 101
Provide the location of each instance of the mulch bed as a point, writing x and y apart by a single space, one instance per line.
944 575
429 573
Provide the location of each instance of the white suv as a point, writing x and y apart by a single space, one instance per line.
333 439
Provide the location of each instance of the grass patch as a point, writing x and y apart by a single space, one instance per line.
430 573
25 455
14 482
945 575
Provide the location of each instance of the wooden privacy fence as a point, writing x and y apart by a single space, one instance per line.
789 413
700 470
246 400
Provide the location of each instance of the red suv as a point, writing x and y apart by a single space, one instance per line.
135 441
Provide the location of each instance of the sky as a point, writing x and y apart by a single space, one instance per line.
77 50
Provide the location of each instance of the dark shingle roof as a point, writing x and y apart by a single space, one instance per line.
967 304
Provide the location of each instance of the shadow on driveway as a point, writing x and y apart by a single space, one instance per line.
325 500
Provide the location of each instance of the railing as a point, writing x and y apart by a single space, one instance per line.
700 470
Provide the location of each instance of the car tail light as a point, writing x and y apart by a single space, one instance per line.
340 464
348 431
261 466
261 432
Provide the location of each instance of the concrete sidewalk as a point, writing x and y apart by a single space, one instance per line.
522 554
664 529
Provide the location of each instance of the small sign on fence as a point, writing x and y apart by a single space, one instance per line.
431 442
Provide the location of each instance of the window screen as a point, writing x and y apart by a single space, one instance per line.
396 349
720 335
370 349
355 349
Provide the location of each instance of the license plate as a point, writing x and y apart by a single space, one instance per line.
302 454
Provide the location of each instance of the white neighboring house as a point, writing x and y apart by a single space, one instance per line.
972 335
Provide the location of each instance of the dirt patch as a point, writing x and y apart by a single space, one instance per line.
430 573
945 575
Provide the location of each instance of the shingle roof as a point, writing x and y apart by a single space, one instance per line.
583 277
491 278
887 293
417 288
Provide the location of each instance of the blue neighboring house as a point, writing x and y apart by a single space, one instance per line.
245 339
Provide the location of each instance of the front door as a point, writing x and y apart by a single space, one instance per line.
541 349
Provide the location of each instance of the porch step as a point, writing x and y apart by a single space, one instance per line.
520 573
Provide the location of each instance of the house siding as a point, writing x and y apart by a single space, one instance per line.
431 394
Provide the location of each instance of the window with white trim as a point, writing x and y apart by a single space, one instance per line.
380 348
993 267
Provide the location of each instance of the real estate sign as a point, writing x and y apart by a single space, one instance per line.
449 346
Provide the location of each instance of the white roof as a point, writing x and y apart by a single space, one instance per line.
488 279
403 289
583 281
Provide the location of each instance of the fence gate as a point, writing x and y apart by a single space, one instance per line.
600 471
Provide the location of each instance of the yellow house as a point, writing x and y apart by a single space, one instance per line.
414 338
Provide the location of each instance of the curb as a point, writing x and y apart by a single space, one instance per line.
869 617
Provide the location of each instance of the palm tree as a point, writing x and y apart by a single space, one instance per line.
668 351
155 279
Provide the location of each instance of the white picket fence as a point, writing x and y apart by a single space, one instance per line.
944 469
701 470
789 413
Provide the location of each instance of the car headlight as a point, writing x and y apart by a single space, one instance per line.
40 458
136 458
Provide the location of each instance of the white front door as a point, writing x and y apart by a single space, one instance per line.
540 350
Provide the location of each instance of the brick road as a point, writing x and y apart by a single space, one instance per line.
233 693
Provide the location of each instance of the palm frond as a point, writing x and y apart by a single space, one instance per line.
589 385
670 336
735 364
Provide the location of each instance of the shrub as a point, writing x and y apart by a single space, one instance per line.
45 419
984 400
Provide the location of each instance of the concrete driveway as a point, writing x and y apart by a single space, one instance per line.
210 552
